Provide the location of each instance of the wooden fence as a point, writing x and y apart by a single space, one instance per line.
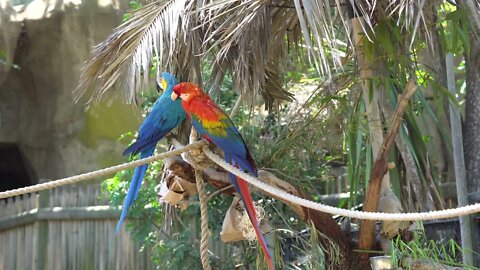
65 228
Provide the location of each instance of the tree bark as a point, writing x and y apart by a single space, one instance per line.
367 70
366 238
472 119
471 133
416 198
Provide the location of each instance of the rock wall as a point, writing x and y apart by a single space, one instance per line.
44 46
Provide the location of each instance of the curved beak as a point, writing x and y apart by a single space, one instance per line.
174 96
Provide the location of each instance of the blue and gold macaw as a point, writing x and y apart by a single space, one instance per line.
165 115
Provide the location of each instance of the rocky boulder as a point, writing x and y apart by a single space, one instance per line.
43 45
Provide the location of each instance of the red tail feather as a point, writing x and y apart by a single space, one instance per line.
247 199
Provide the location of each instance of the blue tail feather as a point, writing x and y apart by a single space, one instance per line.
134 188
245 165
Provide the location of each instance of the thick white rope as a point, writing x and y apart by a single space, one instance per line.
441 214
95 174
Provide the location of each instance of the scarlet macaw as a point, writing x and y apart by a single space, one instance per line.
166 114
215 126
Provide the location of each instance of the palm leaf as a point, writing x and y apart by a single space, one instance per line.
240 37
124 58
253 39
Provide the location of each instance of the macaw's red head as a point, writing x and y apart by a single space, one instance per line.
186 91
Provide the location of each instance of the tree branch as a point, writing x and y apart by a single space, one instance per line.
323 222
367 228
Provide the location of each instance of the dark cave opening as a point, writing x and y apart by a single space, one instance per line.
15 170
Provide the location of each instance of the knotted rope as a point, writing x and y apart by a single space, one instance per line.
95 174
204 220
197 159
440 214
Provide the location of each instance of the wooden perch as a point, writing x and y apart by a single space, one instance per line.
370 204
323 222
177 166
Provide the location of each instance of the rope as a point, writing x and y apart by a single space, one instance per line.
204 220
95 174
197 159
441 214
447 213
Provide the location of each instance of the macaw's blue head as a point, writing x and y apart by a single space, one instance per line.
168 82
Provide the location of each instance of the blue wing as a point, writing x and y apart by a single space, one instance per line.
164 116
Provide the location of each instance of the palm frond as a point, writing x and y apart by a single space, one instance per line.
317 29
243 37
124 58
239 33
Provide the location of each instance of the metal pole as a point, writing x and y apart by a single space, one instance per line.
459 164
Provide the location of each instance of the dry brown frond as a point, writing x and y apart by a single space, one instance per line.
124 58
254 40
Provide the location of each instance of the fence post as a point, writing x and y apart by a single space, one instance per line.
42 240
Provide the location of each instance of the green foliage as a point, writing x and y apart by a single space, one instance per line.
145 214
398 59
177 252
305 141
458 21
134 5
3 60
420 248
359 153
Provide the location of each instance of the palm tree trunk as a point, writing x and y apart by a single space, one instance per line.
471 137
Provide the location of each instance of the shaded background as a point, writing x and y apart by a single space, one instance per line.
43 133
